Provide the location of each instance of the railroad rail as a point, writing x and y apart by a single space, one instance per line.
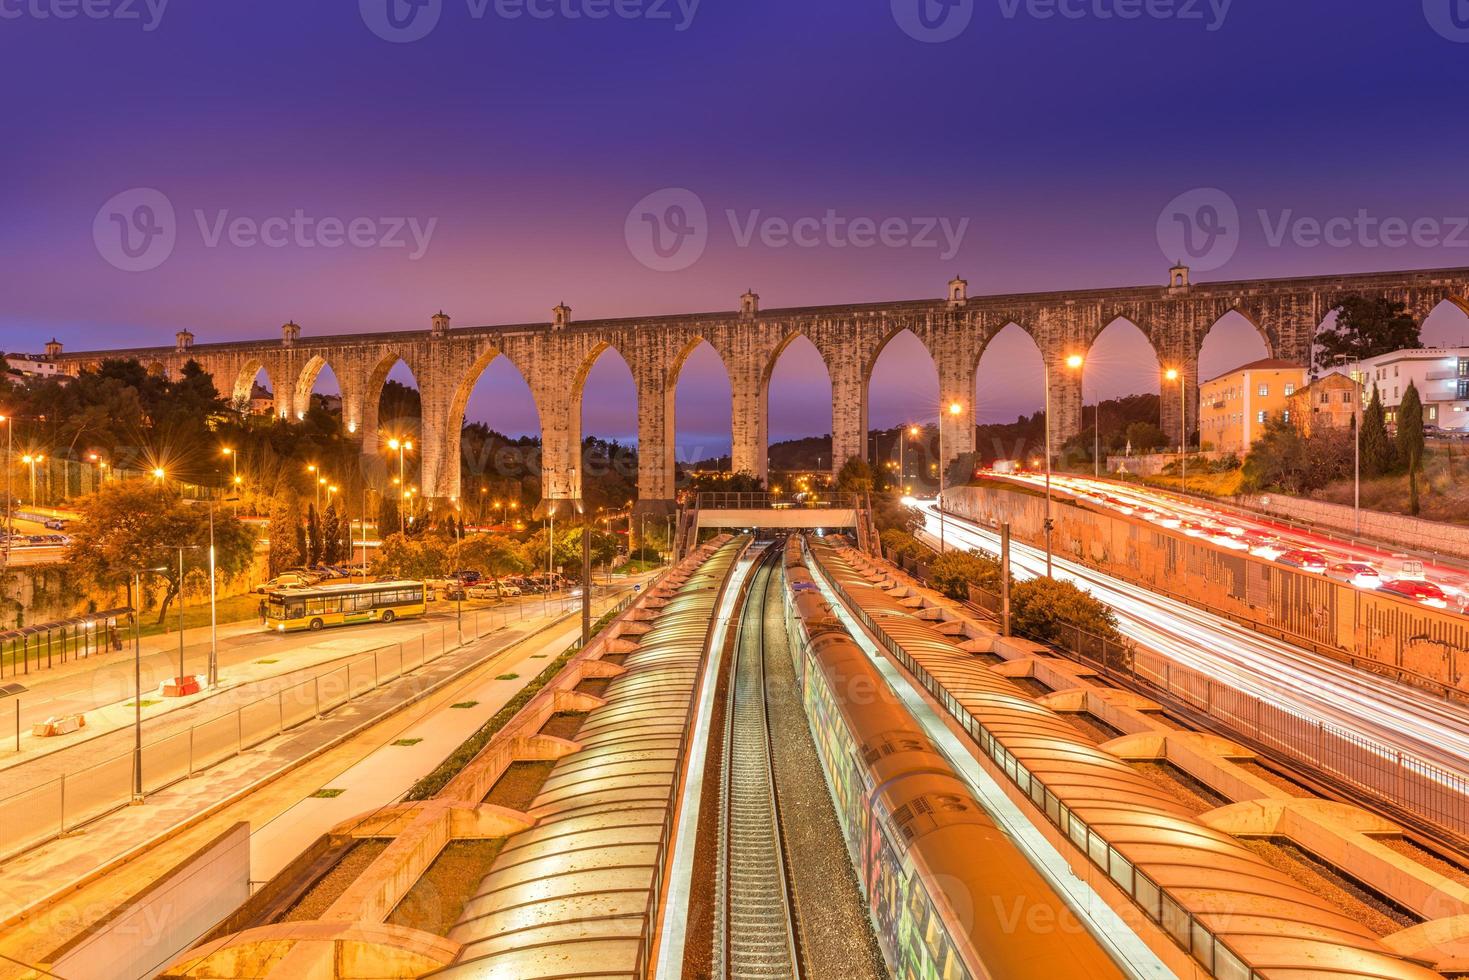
755 930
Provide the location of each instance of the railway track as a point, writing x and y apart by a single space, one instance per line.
755 930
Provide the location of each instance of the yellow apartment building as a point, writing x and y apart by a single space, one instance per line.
1234 406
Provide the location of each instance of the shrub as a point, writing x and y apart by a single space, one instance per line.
900 545
953 572
1042 608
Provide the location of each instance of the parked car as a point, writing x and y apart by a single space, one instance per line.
1308 561
310 577
468 576
1358 573
285 580
54 524
1424 592
493 590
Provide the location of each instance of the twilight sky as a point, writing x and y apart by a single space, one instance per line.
517 143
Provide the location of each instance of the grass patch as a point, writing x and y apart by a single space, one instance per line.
267 662
539 656
508 677
427 787
465 704
230 609
327 794
147 703
407 742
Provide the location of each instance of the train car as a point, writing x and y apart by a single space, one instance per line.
948 893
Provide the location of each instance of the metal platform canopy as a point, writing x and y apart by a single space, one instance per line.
772 510
82 636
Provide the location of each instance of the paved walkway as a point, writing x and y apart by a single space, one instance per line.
383 772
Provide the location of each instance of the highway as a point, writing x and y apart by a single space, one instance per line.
1261 536
1315 686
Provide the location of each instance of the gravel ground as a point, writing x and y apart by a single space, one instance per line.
1274 778
1031 686
1091 726
837 941
330 886
1183 787
1347 894
564 725
435 902
519 786
1410 850
595 686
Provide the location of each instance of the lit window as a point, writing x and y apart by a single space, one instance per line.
1262 417
1290 389
1264 391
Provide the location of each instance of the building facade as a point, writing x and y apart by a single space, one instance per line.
1234 407
1440 374
1329 402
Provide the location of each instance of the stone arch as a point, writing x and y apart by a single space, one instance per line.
1010 335
891 333
671 392
306 384
1104 365
244 384
459 405
1272 342
1449 309
768 374
1222 360
372 396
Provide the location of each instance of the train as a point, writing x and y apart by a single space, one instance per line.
949 895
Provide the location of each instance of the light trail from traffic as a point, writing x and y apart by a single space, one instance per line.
1311 685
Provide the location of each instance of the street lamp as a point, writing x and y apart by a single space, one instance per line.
400 446
1173 374
9 483
955 409
1074 362
31 461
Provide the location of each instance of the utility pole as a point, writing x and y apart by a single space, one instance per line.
1005 579
213 618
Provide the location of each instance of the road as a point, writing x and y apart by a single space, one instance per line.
1261 536
1312 685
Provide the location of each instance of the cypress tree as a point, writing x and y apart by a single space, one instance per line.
1410 441
1379 455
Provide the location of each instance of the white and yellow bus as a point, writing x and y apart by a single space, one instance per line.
288 610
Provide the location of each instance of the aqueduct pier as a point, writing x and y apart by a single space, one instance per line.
556 357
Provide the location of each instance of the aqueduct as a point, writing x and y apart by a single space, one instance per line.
555 358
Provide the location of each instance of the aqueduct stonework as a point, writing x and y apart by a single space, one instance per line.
555 358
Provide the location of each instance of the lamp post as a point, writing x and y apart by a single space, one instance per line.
138 680
954 409
160 475
1073 362
902 459
31 461
1174 374
9 483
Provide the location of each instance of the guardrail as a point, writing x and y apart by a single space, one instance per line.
58 806
777 501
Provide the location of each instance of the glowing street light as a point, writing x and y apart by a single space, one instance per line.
955 410
31 461
1173 374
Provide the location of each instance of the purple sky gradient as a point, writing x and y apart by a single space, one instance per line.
526 143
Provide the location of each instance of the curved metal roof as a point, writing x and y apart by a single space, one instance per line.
1279 928
569 896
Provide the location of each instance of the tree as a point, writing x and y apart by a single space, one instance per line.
1278 458
126 528
1379 452
495 555
1410 441
855 476
332 533
425 557
1144 437
284 531
1043 608
388 515
313 537
1366 327
954 571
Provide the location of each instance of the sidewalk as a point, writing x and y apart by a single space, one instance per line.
34 878
102 688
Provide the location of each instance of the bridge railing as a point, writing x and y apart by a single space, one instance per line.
777 501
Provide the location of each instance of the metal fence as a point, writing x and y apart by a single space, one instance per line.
58 806
1391 776
778 501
